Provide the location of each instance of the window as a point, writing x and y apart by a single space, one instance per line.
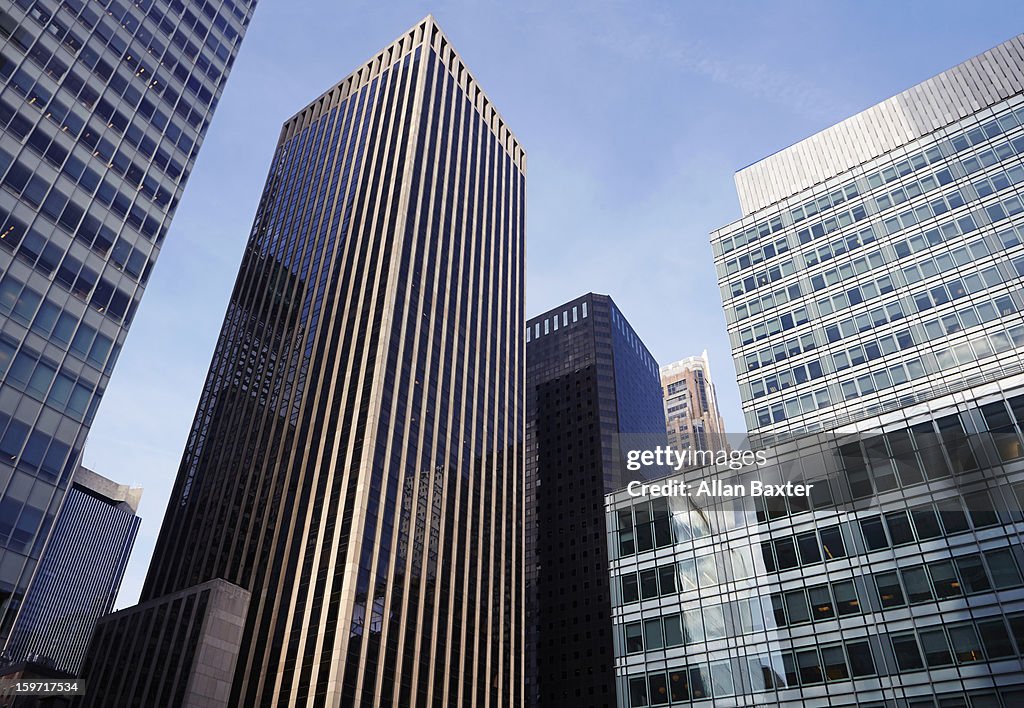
810 552
652 634
874 533
899 528
714 622
634 638
796 607
657 688
926 522
918 587
965 643
945 582
630 588
707 571
693 626
1004 570
972 573
821 602
861 662
637 691
835 663
809 666
846 597
995 638
673 630
667 579
890 594
936 648
721 679
648 583
908 656
832 543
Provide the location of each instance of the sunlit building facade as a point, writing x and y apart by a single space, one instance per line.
356 460
692 419
872 295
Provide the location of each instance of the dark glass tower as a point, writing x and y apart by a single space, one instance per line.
593 393
356 458
103 107
79 574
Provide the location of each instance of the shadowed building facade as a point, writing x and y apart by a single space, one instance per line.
593 393
103 109
356 457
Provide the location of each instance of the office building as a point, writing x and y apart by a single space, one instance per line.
593 394
79 574
103 108
691 406
356 458
176 650
872 294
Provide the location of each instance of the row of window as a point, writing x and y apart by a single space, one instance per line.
934 647
166 57
768 301
720 679
961 226
46 145
769 275
764 253
774 325
38 451
786 379
954 144
838 247
25 305
780 352
911 189
551 325
949 201
959 355
89 96
941 580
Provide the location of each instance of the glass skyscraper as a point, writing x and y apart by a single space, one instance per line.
356 459
873 297
593 392
103 108
80 572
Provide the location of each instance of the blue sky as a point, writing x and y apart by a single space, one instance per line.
634 115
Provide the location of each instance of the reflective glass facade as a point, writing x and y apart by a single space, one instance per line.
356 457
593 392
897 583
872 295
103 108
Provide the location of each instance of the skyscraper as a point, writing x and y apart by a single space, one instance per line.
103 108
691 405
356 458
873 297
79 574
593 393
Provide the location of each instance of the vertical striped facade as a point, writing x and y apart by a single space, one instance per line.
79 574
356 459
